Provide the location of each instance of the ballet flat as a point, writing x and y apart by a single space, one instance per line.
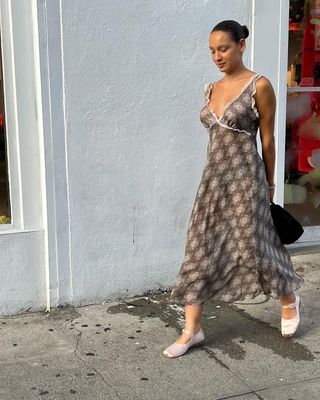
177 349
289 326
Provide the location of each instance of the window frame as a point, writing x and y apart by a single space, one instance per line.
21 102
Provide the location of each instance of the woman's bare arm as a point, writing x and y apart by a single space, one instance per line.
266 106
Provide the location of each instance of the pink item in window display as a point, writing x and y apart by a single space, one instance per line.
314 159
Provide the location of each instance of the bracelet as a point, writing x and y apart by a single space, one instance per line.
272 187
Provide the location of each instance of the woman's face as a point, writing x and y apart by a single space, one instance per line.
226 53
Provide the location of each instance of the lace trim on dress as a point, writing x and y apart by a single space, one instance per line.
206 90
234 129
253 102
232 100
224 125
206 99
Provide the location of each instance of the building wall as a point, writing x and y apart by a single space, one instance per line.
134 74
22 274
117 145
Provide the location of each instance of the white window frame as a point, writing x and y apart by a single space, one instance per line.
24 156
24 126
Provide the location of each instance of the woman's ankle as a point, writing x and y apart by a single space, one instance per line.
193 328
287 299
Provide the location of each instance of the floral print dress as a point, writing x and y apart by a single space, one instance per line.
232 249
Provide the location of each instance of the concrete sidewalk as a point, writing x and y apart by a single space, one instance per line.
114 350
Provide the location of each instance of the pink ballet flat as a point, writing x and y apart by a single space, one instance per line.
177 349
289 326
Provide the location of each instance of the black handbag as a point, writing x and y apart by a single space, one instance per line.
288 228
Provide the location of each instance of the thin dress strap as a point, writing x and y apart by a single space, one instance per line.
206 91
254 90
256 78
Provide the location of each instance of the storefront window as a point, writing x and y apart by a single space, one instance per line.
5 215
302 148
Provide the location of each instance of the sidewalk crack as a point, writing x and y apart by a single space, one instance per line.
90 365
252 391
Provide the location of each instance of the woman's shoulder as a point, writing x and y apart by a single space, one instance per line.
265 98
262 81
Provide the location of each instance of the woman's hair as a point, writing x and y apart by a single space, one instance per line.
235 30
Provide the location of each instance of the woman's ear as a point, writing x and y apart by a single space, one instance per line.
242 44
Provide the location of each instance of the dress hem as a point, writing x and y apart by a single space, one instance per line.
274 295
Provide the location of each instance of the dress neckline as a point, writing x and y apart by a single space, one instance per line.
231 101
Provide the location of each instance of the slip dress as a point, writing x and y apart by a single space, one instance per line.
232 250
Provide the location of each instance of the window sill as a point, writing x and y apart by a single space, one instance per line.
7 229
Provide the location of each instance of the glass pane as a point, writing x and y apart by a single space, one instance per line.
304 43
5 213
302 148
302 157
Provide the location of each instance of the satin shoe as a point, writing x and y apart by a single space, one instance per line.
289 326
177 349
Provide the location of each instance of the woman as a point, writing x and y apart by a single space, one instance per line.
233 251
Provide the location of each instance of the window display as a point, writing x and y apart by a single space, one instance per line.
302 157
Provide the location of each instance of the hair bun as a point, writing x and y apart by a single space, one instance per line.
245 31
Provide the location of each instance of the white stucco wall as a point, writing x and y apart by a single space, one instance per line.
22 272
110 148
134 73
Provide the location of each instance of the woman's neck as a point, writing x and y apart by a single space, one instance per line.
238 74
